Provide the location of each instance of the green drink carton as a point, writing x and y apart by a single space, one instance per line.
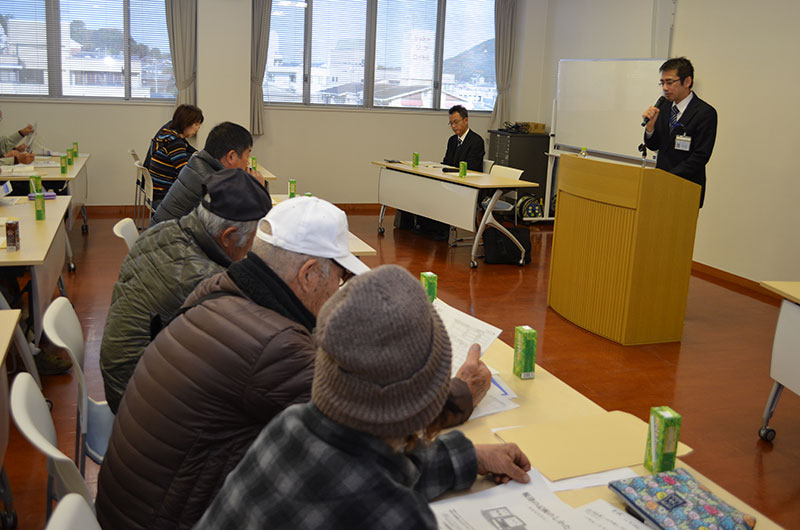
63 165
525 352
462 169
38 200
414 159
662 439
292 188
75 149
253 163
36 184
308 194
430 282
69 157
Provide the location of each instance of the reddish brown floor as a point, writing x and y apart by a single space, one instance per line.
717 377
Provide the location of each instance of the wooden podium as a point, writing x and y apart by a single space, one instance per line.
622 249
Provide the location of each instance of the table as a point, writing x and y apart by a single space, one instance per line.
785 365
8 323
547 399
266 173
357 246
445 197
42 249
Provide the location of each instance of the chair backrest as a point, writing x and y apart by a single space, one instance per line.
487 165
32 416
134 155
505 171
144 174
72 513
62 327
126 229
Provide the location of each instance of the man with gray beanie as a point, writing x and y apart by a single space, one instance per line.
239 352
167 262
362 453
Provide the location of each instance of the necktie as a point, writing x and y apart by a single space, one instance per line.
459 142
673 116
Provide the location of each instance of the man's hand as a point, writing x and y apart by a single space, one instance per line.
20 157
27 130
475 374
256 174
650 114
504 461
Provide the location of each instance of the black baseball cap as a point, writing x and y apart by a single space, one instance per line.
235 195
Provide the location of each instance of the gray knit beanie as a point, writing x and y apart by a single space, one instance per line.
383 355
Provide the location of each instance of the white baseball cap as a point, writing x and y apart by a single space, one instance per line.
309 225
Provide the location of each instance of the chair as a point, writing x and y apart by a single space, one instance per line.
138 198
503 206
126 229
72 513
144 210
487 165
94 420
32 416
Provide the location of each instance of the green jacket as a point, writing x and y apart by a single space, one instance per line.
163 267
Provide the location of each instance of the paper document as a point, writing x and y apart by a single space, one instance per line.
46 162
587 444
603 515
19 169
591 480
513 505
495 400
464 330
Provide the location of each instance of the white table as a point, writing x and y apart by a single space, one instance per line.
445 197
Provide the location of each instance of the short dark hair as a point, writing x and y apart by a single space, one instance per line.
226 136
460 109
682 65
184 116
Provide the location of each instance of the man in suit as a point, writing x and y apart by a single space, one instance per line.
464 145
683 127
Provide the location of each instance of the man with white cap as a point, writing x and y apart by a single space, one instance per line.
239 352
357 455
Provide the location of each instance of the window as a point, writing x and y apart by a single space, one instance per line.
78 48
428 54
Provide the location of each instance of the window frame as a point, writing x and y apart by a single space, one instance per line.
54 67
370 41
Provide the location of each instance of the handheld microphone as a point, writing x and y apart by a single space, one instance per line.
661 100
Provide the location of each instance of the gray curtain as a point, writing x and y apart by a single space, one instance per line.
182 31
505 37
258 63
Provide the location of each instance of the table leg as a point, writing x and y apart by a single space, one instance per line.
765 432
381 230
23 346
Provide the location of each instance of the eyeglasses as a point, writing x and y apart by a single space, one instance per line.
668 82
345 274
454 122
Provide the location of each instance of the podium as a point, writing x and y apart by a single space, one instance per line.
622 249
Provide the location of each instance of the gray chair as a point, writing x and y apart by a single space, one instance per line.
72 513
32 416
94 419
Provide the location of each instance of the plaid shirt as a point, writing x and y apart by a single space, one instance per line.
305 471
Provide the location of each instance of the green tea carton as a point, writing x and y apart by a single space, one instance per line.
662 439
524 352
430 282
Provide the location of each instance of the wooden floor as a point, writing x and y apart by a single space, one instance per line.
717 377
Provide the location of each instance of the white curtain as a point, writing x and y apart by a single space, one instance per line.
182 31
258 63
505 37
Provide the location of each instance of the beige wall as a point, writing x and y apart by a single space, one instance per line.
746 67
748 226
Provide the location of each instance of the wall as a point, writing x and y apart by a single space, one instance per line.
747 69
328 151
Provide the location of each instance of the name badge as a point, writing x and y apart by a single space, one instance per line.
683 142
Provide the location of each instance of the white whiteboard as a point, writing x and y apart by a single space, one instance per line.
599 103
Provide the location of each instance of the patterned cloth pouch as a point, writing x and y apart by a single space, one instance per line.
674 500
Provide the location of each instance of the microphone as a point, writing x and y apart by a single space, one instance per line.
661 100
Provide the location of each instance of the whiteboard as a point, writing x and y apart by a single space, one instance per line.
599 103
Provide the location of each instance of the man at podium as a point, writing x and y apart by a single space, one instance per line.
681 126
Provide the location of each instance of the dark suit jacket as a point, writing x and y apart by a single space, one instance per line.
471 151
698 121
